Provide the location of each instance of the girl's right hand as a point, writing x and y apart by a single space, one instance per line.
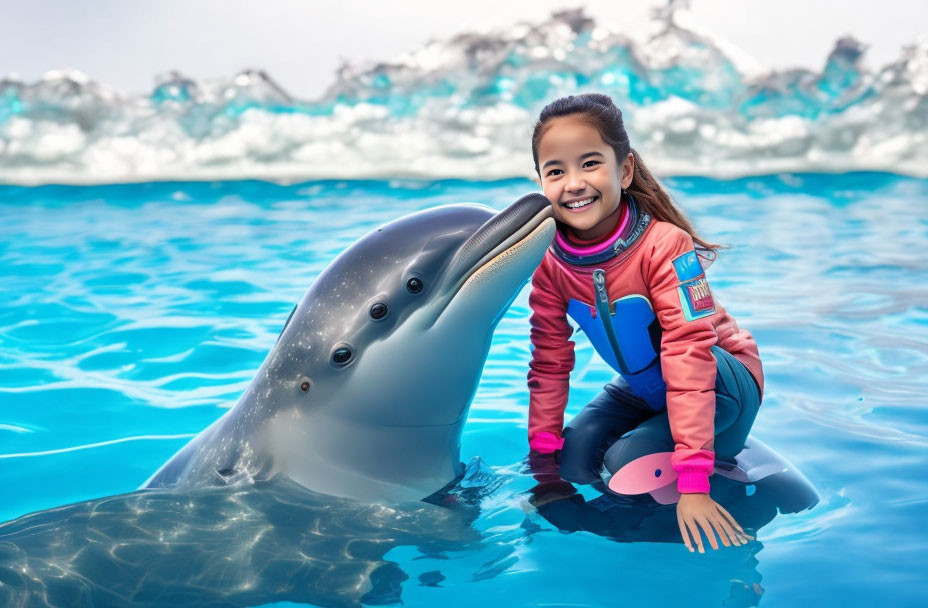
699 511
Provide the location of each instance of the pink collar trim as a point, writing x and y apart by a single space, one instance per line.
579 250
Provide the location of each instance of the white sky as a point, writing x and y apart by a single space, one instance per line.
300 43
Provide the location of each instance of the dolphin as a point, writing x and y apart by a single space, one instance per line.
365 394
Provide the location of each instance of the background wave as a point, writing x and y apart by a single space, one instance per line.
464 107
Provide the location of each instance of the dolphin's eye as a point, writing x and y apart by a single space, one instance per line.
342 355
414 285
305 383
379 311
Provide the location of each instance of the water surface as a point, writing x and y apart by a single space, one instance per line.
131 316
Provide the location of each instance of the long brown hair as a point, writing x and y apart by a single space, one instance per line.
599 111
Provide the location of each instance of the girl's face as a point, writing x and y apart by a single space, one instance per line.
581 176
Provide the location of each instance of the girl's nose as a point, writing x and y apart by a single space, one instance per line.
575 182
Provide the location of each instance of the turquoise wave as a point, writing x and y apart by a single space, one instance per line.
464 107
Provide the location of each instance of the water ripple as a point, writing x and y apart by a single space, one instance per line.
97 445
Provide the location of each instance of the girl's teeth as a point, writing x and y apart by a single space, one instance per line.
579 204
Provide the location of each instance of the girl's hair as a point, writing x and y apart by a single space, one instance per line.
599 111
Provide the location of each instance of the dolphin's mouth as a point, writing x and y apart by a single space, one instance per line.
504 231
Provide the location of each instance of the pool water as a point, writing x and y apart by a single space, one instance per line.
131 316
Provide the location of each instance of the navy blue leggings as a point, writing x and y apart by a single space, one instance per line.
618 427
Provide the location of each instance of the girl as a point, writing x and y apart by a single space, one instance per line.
624 266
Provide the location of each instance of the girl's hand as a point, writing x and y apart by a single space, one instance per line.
700 510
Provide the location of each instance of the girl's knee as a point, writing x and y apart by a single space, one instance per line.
581 456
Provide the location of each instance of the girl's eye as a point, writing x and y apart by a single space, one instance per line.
591 163
553 172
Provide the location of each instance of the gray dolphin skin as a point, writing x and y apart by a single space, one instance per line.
365 394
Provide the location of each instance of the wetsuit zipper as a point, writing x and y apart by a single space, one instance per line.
606 312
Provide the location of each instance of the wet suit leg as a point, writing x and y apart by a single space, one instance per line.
736 404
612 413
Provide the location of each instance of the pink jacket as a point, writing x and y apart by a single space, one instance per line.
687 364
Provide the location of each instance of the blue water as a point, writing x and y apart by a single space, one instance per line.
132 315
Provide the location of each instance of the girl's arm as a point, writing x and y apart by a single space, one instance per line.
683 305
551 364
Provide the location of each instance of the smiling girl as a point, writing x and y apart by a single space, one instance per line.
626 266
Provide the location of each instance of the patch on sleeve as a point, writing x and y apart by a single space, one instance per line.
696 299
687 266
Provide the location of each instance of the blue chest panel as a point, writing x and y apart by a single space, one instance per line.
634 324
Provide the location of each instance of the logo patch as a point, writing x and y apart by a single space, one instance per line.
700 296
696 299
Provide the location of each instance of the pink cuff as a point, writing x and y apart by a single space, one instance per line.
693 480
546 442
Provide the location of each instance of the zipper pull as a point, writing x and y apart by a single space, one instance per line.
602 295
606 311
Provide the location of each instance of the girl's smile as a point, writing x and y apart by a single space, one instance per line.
580 205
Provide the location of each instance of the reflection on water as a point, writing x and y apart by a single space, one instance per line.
238 546
273 541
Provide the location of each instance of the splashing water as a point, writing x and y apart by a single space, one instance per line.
464 108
